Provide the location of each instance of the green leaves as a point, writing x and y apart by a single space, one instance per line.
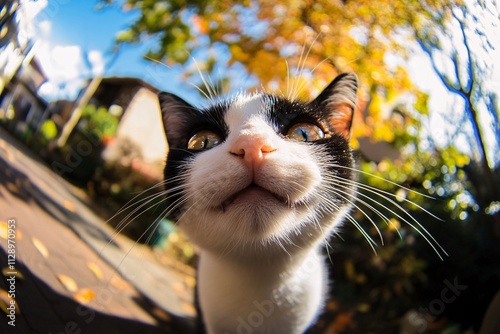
99 122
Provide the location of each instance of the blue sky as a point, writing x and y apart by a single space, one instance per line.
68 32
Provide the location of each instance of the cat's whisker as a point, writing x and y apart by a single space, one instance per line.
148 200
127 253
211 96
181 150
124 222
165 213
379 192
131 202
174 205
157 62
185 198
155 223
368 238
130 217
322 231
386 180
372 208
303 84
420 230
201 91
340 194
287 79
302 66
277 241
318 224
298 70
384 194
333 205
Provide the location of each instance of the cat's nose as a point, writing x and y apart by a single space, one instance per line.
252 149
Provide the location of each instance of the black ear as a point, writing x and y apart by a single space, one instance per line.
339 100
176 114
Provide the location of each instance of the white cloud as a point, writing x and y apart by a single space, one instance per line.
64 65
97 62
45 27
28 13
65 68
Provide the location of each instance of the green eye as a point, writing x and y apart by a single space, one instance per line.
203 140
305 132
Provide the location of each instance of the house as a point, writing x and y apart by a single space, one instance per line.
140 127
21 109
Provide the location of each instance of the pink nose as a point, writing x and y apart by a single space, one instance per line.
252 149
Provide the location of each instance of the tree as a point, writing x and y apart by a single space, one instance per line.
460 41
306 43
293 39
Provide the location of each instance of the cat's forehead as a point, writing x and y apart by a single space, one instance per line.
245 107
272 110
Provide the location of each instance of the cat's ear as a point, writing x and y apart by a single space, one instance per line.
176 114
339 100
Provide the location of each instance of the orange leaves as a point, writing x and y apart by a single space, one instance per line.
342 322
201 24
84 296
69 206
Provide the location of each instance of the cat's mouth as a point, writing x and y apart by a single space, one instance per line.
254 193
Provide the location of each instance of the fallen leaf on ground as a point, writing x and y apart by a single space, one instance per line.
179 287
67 282
159 313
190 281
5 302
7 272
4 230
12 187
118 283
40 247
68 205
188 307
84 296
94 268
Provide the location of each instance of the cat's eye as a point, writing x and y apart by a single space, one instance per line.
203 140
305 132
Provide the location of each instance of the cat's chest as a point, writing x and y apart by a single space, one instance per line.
263 298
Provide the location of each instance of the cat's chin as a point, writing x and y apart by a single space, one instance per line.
253 197
251 216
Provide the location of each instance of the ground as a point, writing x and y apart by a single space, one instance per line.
71 272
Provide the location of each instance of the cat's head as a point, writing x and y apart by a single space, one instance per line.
260 172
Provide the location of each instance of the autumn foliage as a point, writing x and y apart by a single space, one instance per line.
295 48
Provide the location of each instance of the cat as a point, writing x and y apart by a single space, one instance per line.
259 182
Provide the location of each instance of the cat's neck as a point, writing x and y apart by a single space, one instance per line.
284 294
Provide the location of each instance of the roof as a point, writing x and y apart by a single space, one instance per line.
119 90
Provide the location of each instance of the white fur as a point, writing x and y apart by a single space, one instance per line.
258 253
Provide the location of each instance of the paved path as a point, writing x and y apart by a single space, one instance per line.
74 275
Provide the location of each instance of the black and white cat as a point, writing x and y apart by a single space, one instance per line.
259 183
